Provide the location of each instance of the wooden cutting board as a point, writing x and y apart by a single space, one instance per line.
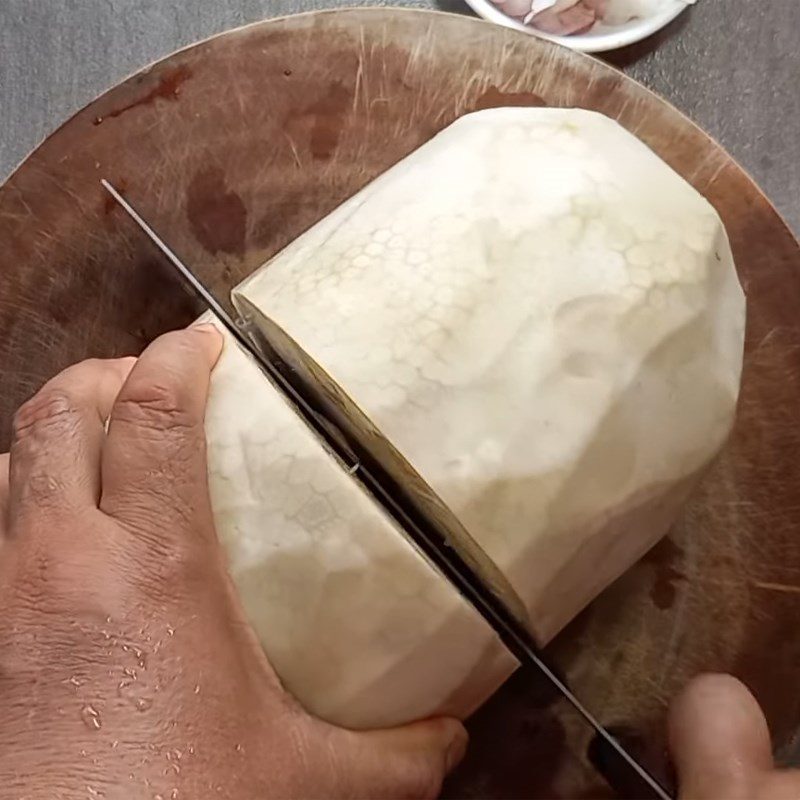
236 145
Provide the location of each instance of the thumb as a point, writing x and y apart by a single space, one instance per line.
719 740
406 762
153 460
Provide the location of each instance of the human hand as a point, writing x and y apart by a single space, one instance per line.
127 668
721 747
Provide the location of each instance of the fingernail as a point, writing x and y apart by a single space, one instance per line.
212 331
213 340
456 750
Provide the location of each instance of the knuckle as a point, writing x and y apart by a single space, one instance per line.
47 493
49 410
167 572
51 578
164 553
157 407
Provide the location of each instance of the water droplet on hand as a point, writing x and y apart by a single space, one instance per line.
143 703
91 718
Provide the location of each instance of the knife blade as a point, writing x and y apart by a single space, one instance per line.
387 491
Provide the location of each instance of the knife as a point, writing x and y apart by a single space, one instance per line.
251 334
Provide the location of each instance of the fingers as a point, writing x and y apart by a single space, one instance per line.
153 462
4 458
57 438
406 762
719 740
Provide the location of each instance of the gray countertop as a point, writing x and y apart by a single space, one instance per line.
731 65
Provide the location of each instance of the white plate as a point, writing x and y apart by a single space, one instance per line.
597 40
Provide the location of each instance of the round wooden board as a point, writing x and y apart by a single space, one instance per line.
236 145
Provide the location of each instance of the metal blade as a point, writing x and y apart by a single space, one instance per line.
248 335
376 453
197 287
514 635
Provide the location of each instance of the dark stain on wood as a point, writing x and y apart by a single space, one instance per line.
217 215
65 298
279 216
294 210
109 203
495 98
663 558
324 119
153 301
167 88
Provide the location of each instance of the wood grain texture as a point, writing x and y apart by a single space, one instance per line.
732 65
239 144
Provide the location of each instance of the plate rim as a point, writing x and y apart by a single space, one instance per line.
586 43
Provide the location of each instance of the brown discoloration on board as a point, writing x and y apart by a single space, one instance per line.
168 87
109 203
494 98
78 282
216 214
322 121
664 559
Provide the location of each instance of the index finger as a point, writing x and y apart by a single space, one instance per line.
4 459
154 460
719 739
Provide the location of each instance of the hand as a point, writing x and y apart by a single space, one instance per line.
127 668
721 747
